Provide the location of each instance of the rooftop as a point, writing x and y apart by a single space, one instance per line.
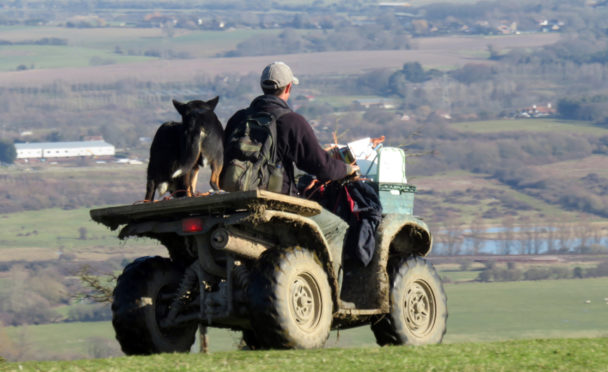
60 145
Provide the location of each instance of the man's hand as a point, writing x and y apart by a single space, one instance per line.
353 172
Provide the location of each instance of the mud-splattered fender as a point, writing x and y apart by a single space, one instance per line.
398 234
405 235
293 229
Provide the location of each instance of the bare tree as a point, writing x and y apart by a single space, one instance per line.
507 235
597 234
524 237
550 235
564 235
98 288
477 230
451 236
535 233
583 233
82 233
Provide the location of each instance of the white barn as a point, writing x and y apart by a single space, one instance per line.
57 150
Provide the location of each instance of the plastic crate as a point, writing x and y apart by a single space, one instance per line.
387 166
396 198
385 169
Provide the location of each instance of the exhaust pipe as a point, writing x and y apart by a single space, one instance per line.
221 238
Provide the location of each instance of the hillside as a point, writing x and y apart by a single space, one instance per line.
517 203
530 355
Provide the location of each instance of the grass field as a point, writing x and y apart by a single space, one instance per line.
86 46
531 309
47 57
478 312
42 235
436 52
532 355
532 126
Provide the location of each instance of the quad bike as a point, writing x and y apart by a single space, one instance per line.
254 261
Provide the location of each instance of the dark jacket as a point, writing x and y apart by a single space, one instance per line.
296 144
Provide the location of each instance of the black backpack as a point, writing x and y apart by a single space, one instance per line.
250 154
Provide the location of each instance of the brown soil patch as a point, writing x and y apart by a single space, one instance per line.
574 169
28 254
431 52
450 183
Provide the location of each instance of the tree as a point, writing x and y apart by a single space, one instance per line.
451 236
477 229
474 73
564 236
414 72
551 235
507 235
536 238
97 288
397 84
583 232
8 153
55 136
82 233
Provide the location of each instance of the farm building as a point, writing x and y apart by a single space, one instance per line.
63 150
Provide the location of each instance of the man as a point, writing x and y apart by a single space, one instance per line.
297 144
296 141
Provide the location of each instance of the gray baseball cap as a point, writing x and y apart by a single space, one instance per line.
277 75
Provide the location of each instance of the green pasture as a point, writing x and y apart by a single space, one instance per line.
527 309
478 312
533 355
61 338
530 125
98 45
47 57
50 227
57 230
459 275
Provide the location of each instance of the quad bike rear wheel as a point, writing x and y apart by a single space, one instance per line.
142 297
418 313
290 300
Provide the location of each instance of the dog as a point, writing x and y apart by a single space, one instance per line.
178 149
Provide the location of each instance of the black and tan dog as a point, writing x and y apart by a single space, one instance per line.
178 149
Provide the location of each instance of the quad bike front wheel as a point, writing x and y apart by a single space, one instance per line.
419 312
142 298
290 300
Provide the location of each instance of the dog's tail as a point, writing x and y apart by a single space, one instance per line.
178 173
186 166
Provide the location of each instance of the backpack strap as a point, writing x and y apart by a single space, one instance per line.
278 113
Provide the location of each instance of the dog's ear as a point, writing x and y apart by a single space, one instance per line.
180 107
213 102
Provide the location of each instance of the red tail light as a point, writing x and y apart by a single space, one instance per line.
191 225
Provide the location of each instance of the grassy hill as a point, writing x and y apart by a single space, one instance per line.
478 312
529 355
